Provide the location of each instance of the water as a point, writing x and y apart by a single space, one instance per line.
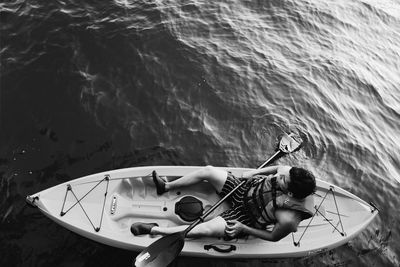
88 86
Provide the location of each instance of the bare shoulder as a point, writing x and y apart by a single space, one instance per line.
289 218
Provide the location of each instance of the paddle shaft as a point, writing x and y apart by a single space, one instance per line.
270 159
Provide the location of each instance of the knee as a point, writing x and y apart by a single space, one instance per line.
206 229
209 171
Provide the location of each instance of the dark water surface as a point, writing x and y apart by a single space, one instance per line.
89 86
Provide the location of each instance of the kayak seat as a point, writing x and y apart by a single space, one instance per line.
189 208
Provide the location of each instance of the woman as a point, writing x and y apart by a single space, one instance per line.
279 197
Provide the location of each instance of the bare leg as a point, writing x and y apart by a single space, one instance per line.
215 176
214 227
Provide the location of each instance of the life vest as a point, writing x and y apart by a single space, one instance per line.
264 197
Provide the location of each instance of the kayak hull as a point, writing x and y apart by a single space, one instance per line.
103 206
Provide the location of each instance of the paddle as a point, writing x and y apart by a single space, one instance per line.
289 143
166 249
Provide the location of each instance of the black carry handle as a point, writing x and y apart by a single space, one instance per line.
217 248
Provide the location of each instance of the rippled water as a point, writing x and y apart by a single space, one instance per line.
88 86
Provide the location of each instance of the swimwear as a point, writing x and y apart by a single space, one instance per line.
238 210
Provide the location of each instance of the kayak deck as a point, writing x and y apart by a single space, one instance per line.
103 206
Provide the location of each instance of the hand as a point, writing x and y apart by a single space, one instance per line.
234 228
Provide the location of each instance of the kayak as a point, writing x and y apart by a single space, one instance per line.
103 206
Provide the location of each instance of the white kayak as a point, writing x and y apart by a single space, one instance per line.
103 206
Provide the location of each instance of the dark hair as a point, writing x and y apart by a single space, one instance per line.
302 182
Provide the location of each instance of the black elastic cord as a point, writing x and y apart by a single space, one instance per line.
317 211
334 227
62 213
312 218
337 209
78 201
121 178
84 195
107 178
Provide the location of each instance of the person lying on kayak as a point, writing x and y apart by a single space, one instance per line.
282 197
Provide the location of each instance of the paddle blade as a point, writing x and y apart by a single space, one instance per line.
290 143
162 252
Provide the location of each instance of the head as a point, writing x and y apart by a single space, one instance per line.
302 182
295 181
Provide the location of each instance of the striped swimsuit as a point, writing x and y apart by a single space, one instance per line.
238 211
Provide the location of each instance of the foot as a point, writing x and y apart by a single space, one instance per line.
142 228
160 183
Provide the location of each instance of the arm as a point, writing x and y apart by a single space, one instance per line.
279 231
266 170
